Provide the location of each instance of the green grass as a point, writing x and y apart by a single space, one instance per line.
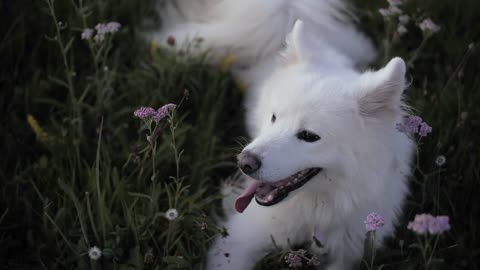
88 183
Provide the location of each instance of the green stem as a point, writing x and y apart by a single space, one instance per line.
68 69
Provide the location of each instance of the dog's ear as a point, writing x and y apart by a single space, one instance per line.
381 91
296 44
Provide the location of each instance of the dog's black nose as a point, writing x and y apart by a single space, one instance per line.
248 162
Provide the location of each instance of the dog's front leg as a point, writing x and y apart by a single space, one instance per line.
248 240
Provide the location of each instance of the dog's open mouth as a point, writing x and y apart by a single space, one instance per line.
267 194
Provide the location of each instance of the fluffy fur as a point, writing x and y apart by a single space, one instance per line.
309 80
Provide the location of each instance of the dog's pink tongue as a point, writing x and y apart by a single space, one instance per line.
246 197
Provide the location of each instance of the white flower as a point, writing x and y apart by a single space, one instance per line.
394 2
113 27
392 10
401 29
429 25
171 214
404 18
87 33
395 10
440 160
384 12
94 253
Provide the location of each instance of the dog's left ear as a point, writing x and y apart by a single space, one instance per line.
296 44
381 91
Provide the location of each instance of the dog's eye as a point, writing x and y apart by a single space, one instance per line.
273 118
307 136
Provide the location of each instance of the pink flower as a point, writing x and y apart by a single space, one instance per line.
425 129
293 260
163 111
373 222
413 124
144 112
424 223
443 224
428 25
87 33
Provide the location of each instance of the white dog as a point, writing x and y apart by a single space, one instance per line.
325 150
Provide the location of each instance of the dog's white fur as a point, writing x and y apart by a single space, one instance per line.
311 84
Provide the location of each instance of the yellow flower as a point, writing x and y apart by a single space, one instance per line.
42 136
226 62
153 48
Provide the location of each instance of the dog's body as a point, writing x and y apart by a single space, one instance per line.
325 150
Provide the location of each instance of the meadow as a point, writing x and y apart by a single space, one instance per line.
78 170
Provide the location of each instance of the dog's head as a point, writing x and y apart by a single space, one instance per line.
317 118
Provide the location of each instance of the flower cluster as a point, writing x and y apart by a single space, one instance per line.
414 124
295 259
394 10
102 30
424 223
373 222
145 113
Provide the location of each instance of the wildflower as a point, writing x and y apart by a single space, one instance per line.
105 28
42 136
87 33
428 25
171 214
373 222
144 112
401 30
424 223
99 38
414 124
384 12
163 111
443 224
394 10
425 129
440 160
420 224
294 259
404 19
94 253
394 2
113 27
409 124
